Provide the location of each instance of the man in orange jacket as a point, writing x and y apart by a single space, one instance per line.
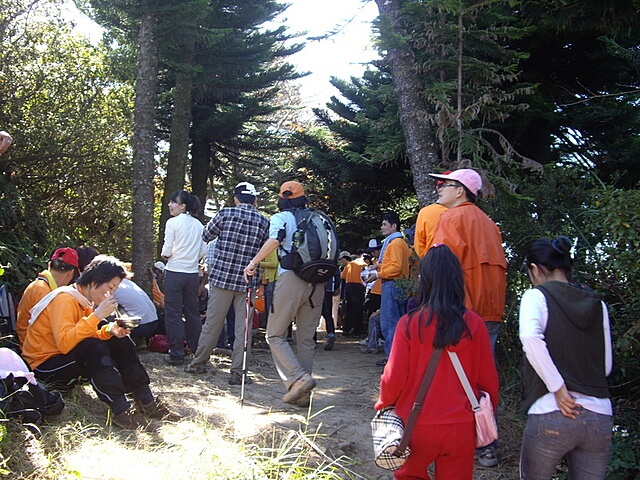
477 242
393 265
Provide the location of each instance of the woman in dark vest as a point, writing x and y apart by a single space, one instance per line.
564 329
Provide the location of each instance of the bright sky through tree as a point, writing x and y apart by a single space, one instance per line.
343 54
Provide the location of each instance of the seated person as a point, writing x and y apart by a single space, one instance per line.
62 268
67 339
134 302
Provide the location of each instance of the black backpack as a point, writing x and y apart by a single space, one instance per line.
28 402
315 248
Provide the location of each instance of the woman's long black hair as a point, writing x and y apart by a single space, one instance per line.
442 293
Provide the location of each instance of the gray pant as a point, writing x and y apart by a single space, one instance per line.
181 297
291 301
585 441
220 300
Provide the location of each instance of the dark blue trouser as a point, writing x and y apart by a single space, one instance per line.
112 367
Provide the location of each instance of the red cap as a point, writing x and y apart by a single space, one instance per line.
66 255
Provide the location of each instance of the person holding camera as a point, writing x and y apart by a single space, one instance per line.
68 340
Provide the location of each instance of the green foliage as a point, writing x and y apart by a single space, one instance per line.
68 172
625 450
469 69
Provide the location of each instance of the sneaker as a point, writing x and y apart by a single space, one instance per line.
368 350
301 386
381 363
236 379
331 339
197 369
304 400
364 342
174 361
487 456
158 409
131 419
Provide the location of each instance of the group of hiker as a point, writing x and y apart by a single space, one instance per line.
70 331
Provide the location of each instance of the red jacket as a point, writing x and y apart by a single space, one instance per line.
446 401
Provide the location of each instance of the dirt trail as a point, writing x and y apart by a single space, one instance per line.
342 404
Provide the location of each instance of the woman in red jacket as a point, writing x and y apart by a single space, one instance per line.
445 429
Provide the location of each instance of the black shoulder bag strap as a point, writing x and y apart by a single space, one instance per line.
417 404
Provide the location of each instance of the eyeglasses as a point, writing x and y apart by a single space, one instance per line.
447 185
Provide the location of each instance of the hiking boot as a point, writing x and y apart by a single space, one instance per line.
301 386
236 379
130 419
331 339
174 361
487 456
157 409
304 400
197 369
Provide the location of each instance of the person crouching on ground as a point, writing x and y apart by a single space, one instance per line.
68 339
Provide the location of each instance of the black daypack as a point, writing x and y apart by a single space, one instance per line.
28 402
315 249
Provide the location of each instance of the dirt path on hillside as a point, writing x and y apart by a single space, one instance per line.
342 403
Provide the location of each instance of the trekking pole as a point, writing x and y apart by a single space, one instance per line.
245 346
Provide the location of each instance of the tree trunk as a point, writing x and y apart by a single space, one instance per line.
144 149
200 160
419 136
179 137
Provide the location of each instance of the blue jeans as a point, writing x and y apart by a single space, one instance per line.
548 437
392 306
374 331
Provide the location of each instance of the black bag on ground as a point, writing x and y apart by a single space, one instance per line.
315 249
30 403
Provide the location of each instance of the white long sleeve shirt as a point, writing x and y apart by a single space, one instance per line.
183 244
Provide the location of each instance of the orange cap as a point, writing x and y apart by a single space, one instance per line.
291 189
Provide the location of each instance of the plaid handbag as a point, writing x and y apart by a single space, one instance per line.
387 429
390 436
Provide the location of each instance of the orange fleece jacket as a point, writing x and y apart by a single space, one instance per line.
426 224
34 292
59 328
395 263
352 271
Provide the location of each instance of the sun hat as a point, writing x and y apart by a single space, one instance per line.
466 176
345 254
291 189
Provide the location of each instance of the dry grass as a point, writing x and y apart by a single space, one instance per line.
265 439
